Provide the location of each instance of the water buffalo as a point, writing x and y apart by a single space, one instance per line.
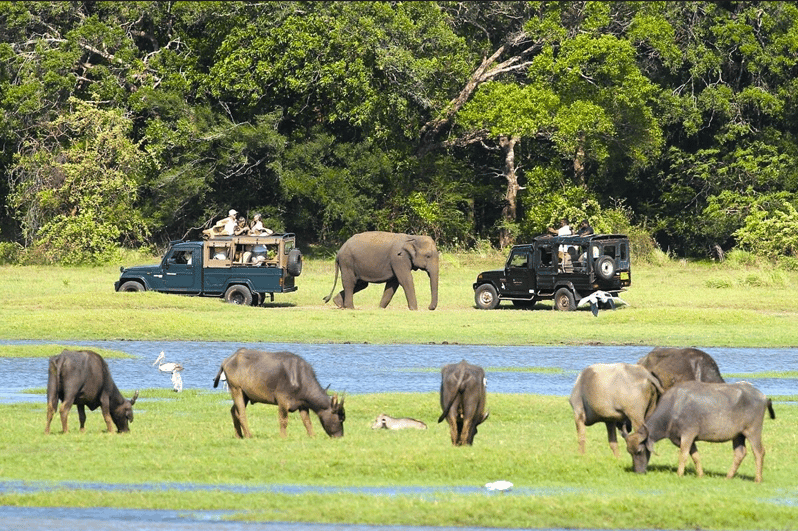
463 400
282 379
383 421
614 394
697 411
674 365
82 378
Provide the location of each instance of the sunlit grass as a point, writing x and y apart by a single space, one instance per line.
529 440
669 304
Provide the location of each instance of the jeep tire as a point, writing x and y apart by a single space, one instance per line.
564 300
132 285
486 297
238 294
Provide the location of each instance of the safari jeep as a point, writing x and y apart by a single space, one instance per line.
571 270
242 269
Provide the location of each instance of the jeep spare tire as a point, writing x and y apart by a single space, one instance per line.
605 267
294 265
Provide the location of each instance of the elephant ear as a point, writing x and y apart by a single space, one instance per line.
409 247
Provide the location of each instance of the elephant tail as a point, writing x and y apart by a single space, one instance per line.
335 282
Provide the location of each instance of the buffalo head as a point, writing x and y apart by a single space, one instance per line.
332 419
123 414
640 446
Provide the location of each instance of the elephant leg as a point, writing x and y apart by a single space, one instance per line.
345 299
389 292
405 279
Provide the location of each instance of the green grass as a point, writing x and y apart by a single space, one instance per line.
670 304
528 439
45 351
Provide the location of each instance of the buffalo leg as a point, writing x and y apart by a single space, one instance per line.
738 444
66 405
454 430
581 436
759 456
612 438
239 413
51 408
688 447
304 414
282 414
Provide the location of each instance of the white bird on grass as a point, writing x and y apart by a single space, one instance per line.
177 381
602 297
500 485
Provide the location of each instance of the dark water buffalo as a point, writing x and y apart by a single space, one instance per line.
698 411
82 378
463 400
674 365
282 379
614 394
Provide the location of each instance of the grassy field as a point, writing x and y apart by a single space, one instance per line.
672 303
529 440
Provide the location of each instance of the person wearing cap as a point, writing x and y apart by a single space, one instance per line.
257 227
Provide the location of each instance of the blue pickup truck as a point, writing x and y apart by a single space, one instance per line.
241 269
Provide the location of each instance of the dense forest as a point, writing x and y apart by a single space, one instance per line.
129 124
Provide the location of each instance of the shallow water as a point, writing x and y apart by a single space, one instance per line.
364 368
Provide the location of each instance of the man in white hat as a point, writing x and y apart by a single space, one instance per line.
229 223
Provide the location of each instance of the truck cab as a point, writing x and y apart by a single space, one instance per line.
241 269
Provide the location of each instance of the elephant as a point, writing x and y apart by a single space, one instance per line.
387 257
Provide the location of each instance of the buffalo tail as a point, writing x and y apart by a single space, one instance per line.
770 409
218 375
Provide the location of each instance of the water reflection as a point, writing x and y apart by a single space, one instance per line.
364 368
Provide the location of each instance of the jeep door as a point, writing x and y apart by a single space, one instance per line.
520 275
181 271
546 265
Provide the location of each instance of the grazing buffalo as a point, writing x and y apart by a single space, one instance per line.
463 400
82 378
614 394
698 411
383 421
674 365
282 379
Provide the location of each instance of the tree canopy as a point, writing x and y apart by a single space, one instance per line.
132 123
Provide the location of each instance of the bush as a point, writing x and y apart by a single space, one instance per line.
10 252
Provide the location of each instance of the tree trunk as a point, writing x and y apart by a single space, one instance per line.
510 210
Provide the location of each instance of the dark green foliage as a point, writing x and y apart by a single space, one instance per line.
466 121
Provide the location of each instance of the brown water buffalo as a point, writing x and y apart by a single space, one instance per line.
613 394
387 422
674 365
82 378
282 379
697 411
463 400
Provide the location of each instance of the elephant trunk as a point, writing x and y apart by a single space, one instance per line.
432 271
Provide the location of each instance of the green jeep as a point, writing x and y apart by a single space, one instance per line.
241 269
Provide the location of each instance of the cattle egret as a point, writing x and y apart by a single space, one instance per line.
223 379
500 485
167 367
